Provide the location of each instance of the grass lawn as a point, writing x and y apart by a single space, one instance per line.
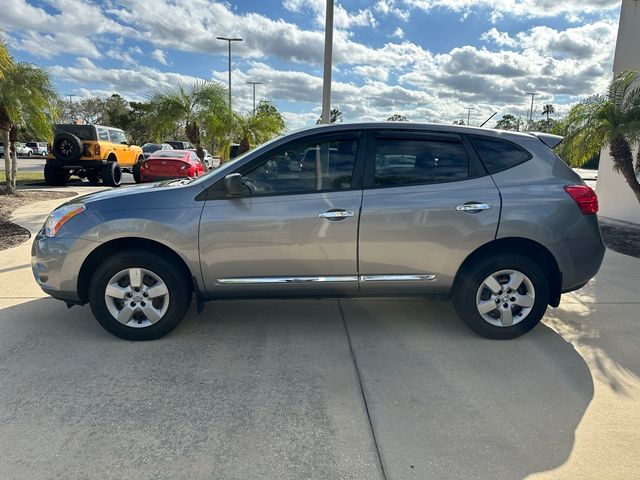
24 177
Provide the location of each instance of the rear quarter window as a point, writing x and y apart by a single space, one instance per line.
497 154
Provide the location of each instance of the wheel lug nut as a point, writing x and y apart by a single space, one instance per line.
142 304
513 299
137 289
129 294
497 300
133 304
505 305
145 294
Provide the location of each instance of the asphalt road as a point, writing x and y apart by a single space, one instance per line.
36 164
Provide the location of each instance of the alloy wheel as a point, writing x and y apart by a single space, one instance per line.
505 298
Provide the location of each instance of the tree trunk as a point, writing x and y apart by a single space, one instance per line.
244 146
623 162
7 159
638 162
200 153
13 138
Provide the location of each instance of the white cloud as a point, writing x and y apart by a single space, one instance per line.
160 56
398 33
501 39
389 7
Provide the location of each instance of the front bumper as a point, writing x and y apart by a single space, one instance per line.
56 262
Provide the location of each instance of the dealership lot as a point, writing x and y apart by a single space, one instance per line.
319 388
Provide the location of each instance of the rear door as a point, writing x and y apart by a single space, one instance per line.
121 147
427 204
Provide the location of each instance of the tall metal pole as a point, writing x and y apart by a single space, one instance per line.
229 40
531 111
328 53
469 113
254 94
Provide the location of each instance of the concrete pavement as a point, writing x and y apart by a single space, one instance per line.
319 389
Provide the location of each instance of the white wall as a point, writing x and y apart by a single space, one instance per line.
617 201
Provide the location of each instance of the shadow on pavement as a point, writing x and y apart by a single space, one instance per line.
446 403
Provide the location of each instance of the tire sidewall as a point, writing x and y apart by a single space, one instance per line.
170 273
111 174
466 288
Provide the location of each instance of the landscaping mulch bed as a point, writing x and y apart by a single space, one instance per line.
10 233
621 238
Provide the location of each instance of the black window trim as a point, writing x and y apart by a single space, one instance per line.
211 193
498 139
476 167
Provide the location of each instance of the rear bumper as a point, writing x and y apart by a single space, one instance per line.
77 165
581 259
160 178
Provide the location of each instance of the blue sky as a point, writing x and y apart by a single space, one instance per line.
426 59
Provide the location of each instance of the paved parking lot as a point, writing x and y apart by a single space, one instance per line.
362 389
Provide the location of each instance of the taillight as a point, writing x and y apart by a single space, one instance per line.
96 149
585 197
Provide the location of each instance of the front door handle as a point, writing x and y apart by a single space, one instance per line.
473 207
336 214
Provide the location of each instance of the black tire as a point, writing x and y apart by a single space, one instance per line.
136 170
55 176
67 147
111 174
472 277
172 275
93 176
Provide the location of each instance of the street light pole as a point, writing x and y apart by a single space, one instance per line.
328 53
254 94
469 113
229 40
531 111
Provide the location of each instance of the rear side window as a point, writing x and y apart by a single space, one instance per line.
498 155
412 162
103 134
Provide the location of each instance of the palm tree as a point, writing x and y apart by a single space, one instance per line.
258 128
26 98
547 110
5 58
188 108
612 119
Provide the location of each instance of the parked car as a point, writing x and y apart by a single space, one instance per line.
492 219
179 144
149 148
208 159
94 152
38 148
23 150
171 164
1 149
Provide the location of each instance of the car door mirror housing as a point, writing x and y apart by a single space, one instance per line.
233 184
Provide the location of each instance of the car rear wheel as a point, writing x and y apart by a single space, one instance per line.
93 176
139 295
502 296
55 176
111 174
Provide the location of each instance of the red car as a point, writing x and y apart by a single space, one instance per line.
168 164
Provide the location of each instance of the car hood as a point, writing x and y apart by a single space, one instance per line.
149 195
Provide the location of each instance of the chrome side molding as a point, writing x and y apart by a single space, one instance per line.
398 278
326 279
275 280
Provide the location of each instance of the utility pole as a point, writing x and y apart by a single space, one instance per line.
531 111
328 62
469 113
254 94
71 97
229 40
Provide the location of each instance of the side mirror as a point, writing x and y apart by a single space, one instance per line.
233 184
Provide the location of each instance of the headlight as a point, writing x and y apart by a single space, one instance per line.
59 217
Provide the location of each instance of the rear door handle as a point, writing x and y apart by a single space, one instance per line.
473 207
336 214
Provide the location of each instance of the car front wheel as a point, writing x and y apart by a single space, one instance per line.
502 296
139 295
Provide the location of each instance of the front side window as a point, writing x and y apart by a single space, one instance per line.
304 167
415 161
117 136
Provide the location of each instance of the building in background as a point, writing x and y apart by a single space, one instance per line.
617 201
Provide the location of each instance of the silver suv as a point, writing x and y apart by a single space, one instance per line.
494 220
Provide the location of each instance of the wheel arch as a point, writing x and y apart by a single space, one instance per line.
518 245
125 244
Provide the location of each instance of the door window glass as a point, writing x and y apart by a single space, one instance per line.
304 167
409 162
117 136
103 134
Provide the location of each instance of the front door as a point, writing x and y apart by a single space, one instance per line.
427 204
294 230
